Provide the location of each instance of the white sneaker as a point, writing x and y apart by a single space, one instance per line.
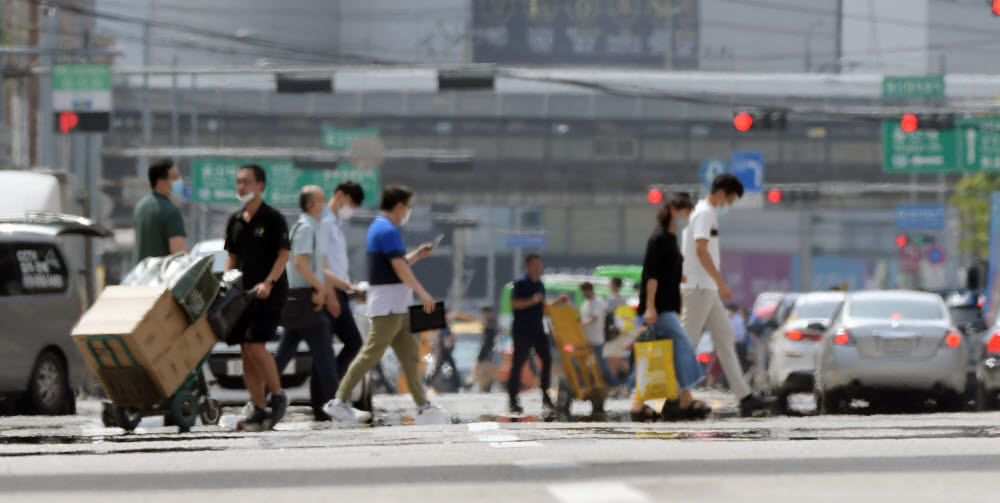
342 412
247 410
431 414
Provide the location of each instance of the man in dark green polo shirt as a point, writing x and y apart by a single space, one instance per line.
159 225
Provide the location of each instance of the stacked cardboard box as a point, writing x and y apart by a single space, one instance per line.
138 340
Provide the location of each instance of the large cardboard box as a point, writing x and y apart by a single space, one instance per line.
147 319
177 363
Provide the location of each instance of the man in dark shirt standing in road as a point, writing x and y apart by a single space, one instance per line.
159 224
527 300
257 242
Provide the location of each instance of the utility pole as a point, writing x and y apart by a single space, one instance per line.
175 127
838 44
45 153
147 120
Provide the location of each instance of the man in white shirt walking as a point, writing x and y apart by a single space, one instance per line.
704 288
347 197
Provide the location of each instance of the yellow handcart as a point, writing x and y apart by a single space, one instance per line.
581 377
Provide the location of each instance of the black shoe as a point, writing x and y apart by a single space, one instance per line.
258 420
671 411
754 402
320 416
515 408
279 407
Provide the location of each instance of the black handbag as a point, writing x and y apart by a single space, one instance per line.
229 307
300 310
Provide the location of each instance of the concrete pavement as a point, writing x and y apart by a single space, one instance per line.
925 457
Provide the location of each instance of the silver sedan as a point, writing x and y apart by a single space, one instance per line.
883 345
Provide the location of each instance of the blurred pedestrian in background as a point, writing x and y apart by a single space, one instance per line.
485 372
158 222
592 312
738 320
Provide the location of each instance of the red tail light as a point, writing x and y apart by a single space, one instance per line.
704 357
994 345
981 303
569 348
842 338
794 335
953 340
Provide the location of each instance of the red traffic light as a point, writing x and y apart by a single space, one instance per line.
743 121
902 241
68 121
996 7
655 196
774 196
909 123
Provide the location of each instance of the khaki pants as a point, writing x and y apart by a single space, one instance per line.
392 330
702 309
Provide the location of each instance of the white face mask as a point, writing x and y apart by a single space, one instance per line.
345 212
406 219
246 198
723 209
681 222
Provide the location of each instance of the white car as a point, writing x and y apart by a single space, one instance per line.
793 345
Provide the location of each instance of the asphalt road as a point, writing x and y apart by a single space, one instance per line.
482 457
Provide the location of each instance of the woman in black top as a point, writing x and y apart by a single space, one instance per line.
660 303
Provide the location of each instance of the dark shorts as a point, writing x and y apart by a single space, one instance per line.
259 324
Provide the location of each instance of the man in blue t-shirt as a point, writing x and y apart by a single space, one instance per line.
527 301
389 296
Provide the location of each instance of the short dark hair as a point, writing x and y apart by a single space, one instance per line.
395 194
675 200
530 257
258 172
159 170
728 183
617 282
586 286
351 189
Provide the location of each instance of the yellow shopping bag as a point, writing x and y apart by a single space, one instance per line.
654 370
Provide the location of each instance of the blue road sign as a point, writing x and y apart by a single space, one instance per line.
921 217
935 255
533 240
748 166
711 168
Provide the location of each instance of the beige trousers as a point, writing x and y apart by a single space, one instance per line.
392 330
702 310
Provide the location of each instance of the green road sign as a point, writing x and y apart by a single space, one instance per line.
341 138
78 87
919 151
81 77
974 145
213 181
979 143
913 87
